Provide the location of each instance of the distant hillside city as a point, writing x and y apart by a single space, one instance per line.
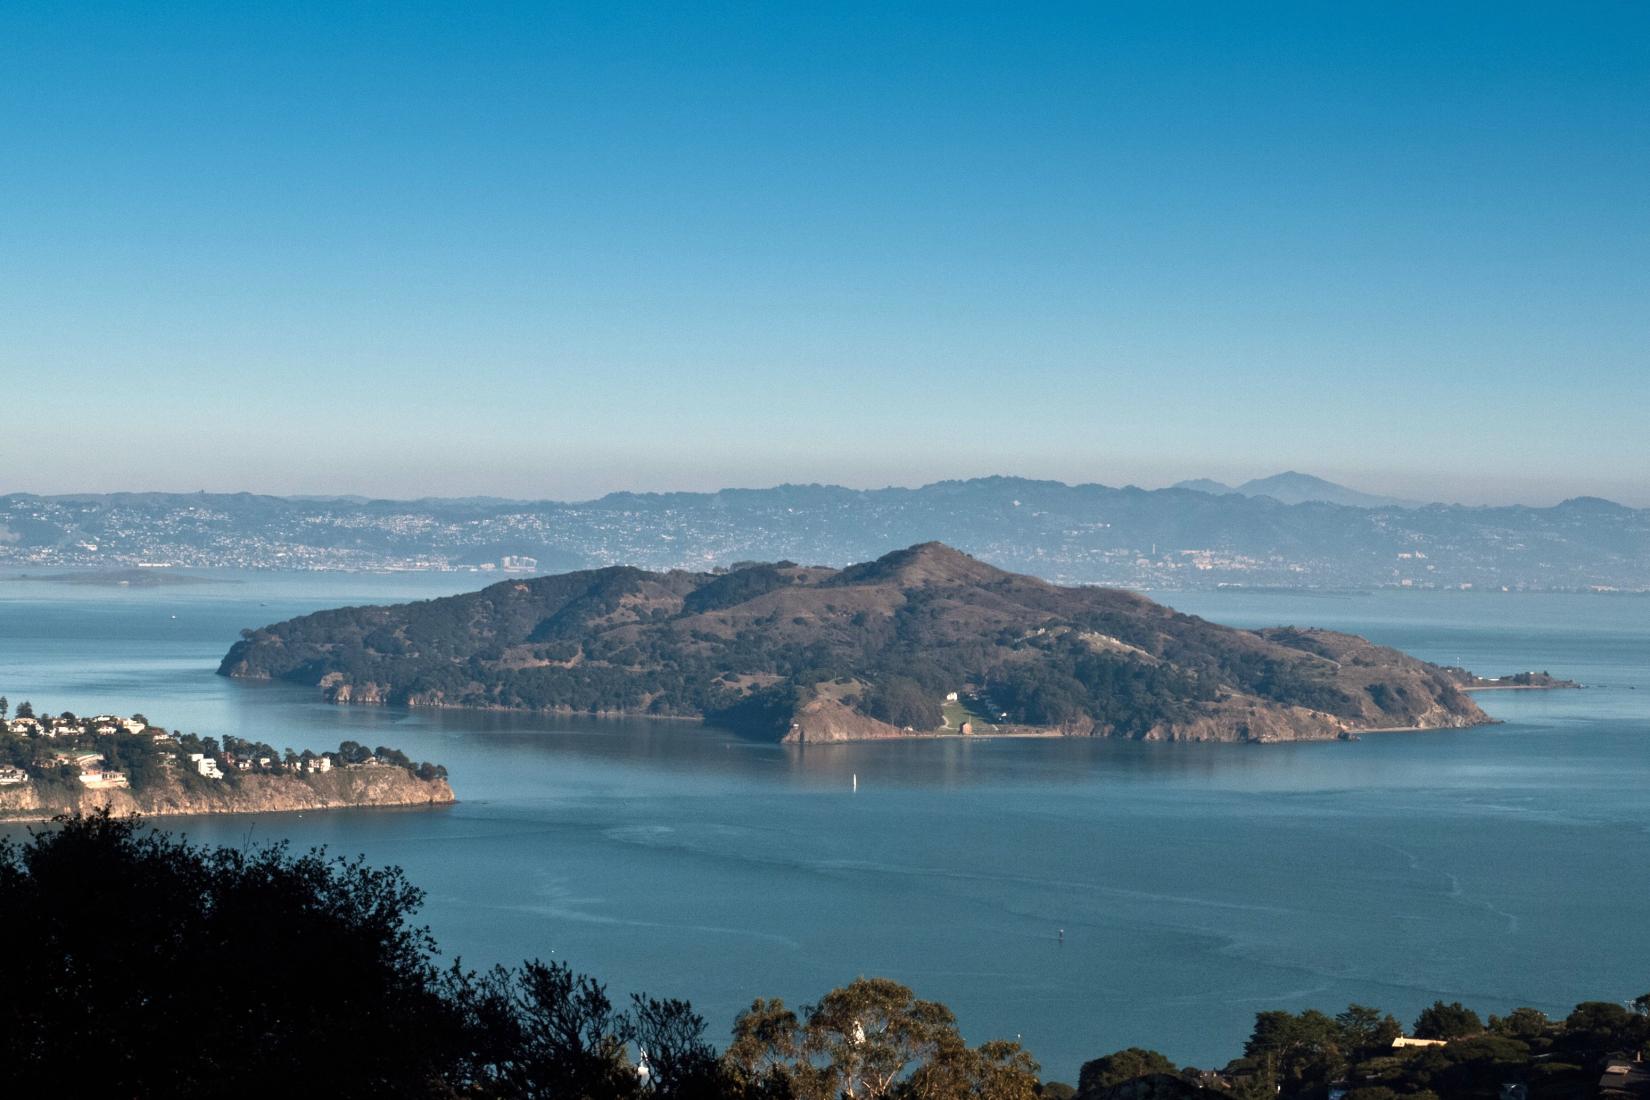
1291 530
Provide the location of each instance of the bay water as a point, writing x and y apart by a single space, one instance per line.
1082 896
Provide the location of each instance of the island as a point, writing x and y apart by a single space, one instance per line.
65 764
925 641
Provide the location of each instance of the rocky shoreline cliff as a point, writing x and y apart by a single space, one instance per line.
367 786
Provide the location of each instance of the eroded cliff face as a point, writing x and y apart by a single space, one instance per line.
1236 718
1241 721
337 789
336 689
822 720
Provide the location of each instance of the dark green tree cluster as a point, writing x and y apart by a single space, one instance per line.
147 967
1307 1055
901 701
869 1040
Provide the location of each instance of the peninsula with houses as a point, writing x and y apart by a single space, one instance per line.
925 641
67 763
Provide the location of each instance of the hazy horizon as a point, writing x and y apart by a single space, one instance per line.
1409 490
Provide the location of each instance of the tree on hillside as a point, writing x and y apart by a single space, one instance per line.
766 1047
1124 1065
1447 1021
902 702
1521 1023
1367 1030
1596 1027
1301 1050
997 1070
868 1034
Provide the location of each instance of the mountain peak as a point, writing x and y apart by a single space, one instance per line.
924 563
1204 485
1294 487
1591 504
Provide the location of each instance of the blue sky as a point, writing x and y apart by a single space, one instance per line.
548 250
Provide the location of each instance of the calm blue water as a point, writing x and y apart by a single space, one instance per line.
1195 884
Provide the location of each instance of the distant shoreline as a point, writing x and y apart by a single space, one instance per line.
123 578
1562 685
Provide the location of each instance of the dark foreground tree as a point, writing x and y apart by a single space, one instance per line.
142 966
148 967
670 1037
545 1031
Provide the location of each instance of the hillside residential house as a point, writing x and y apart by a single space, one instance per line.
205 765
1624 1077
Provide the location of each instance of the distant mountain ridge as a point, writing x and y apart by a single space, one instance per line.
1165 538
810 653
1292 487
